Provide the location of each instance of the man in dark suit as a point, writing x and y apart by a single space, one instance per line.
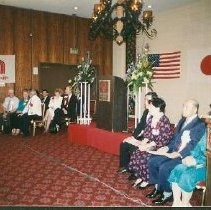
68 110
189 131
126 147
69 104
46 98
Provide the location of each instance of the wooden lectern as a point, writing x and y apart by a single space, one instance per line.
112 104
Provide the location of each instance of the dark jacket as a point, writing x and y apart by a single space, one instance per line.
70 106
46 102
196 128
141 125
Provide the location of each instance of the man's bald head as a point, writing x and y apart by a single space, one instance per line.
11 92
190 108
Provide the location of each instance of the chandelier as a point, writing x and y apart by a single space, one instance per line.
121 20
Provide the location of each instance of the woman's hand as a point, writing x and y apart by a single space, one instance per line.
146 146
189 161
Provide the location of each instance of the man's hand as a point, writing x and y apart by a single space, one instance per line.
142 147
145 140
189 161
173 155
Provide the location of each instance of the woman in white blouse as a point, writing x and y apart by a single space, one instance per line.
55 103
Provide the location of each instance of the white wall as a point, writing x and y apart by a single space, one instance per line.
187 29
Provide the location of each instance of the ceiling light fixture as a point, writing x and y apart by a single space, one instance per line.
120 20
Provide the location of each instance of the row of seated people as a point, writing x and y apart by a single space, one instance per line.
18 113
173 160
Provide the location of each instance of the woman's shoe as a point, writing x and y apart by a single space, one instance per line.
143 185
137 183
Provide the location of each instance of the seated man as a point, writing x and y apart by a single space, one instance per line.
45 99
32 111
10 105
185 176
189 131
127 147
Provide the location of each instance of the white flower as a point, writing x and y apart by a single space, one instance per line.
146 80
133 76
140 74
139 65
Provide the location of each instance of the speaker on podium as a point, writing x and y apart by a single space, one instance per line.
112 104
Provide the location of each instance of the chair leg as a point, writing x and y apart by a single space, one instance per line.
34 128
203 197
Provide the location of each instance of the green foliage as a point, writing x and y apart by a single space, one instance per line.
140 73
86 73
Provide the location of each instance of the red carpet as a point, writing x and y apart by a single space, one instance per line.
48 170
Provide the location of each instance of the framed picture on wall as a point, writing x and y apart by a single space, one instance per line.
104 90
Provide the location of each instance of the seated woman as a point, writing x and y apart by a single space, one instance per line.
157 133
15 117
55 103
185 176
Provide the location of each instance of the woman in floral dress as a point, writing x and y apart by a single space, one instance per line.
157 134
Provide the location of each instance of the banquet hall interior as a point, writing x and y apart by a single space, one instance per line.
108 55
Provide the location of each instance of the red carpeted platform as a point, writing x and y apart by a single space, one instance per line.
103 140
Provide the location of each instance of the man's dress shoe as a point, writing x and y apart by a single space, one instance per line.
161 200
154 193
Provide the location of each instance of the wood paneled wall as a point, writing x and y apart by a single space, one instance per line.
35 37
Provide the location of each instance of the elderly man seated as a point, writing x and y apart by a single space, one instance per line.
9 105
189 131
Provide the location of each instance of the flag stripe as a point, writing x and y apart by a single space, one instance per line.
166 69
169 77
171 53
169 73
169 57
170 61
169 65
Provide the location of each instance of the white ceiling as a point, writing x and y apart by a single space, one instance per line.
85 7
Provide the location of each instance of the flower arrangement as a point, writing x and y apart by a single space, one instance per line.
139 73
86 73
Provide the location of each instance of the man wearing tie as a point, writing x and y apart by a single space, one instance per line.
10 105
46 99
69 104
188 132
32 111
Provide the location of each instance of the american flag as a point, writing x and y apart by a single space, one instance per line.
165 65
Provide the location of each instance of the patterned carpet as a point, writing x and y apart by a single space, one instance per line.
47 170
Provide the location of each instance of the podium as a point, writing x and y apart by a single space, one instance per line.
112 104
